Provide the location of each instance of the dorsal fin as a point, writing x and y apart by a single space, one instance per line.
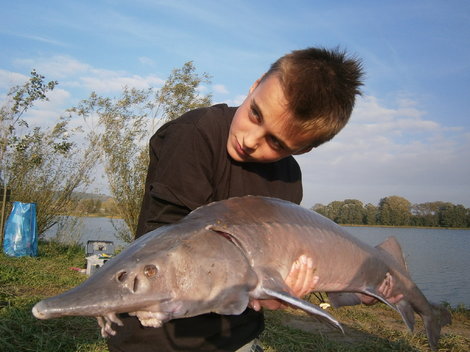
392 247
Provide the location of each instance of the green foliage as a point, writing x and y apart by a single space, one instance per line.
180 93
451 215
396 211
41 164
370 217
125 125
122 128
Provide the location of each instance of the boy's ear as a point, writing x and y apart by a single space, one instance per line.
303 151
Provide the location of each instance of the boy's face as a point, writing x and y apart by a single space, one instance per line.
258 130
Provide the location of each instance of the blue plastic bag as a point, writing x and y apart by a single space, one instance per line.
21 231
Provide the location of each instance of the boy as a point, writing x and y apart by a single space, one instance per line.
219 152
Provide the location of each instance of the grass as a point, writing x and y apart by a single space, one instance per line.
24 281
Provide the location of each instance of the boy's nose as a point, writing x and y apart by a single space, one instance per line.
251 141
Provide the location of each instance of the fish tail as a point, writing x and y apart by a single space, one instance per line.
433 323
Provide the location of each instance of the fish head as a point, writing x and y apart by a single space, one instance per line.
139 277
160 277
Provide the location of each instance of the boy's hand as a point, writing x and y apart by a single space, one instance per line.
301 280
385 289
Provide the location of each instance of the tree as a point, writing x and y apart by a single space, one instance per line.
451 215
370 217
319 208
180 93
41 164
394 211
124 127
351 212
426 214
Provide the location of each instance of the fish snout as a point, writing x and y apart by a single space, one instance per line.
39 310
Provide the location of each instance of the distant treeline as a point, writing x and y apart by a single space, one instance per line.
396 211
391 211
87 204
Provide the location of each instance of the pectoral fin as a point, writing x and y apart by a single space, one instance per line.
306 306
274 287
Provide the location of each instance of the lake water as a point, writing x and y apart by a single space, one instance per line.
438 259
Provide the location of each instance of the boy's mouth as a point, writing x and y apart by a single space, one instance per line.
240 151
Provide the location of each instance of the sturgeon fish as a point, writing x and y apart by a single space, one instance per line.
224 253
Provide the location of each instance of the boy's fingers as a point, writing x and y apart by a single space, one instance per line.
386 290
293 276
395 299
301 279
310 280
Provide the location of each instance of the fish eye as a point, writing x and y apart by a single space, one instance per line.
150 271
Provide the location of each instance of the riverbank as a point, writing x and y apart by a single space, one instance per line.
24 281
406 227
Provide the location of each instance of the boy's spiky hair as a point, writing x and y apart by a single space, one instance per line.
320 87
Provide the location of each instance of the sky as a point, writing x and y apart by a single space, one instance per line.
409 134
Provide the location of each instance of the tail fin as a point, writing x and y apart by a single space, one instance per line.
433 324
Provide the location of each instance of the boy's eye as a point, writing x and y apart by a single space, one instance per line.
274 143
255 116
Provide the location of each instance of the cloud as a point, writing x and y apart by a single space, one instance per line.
76 81
44 40
105 81
58 66
73 73
220 89
388 150
146 61
236 101
10 79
